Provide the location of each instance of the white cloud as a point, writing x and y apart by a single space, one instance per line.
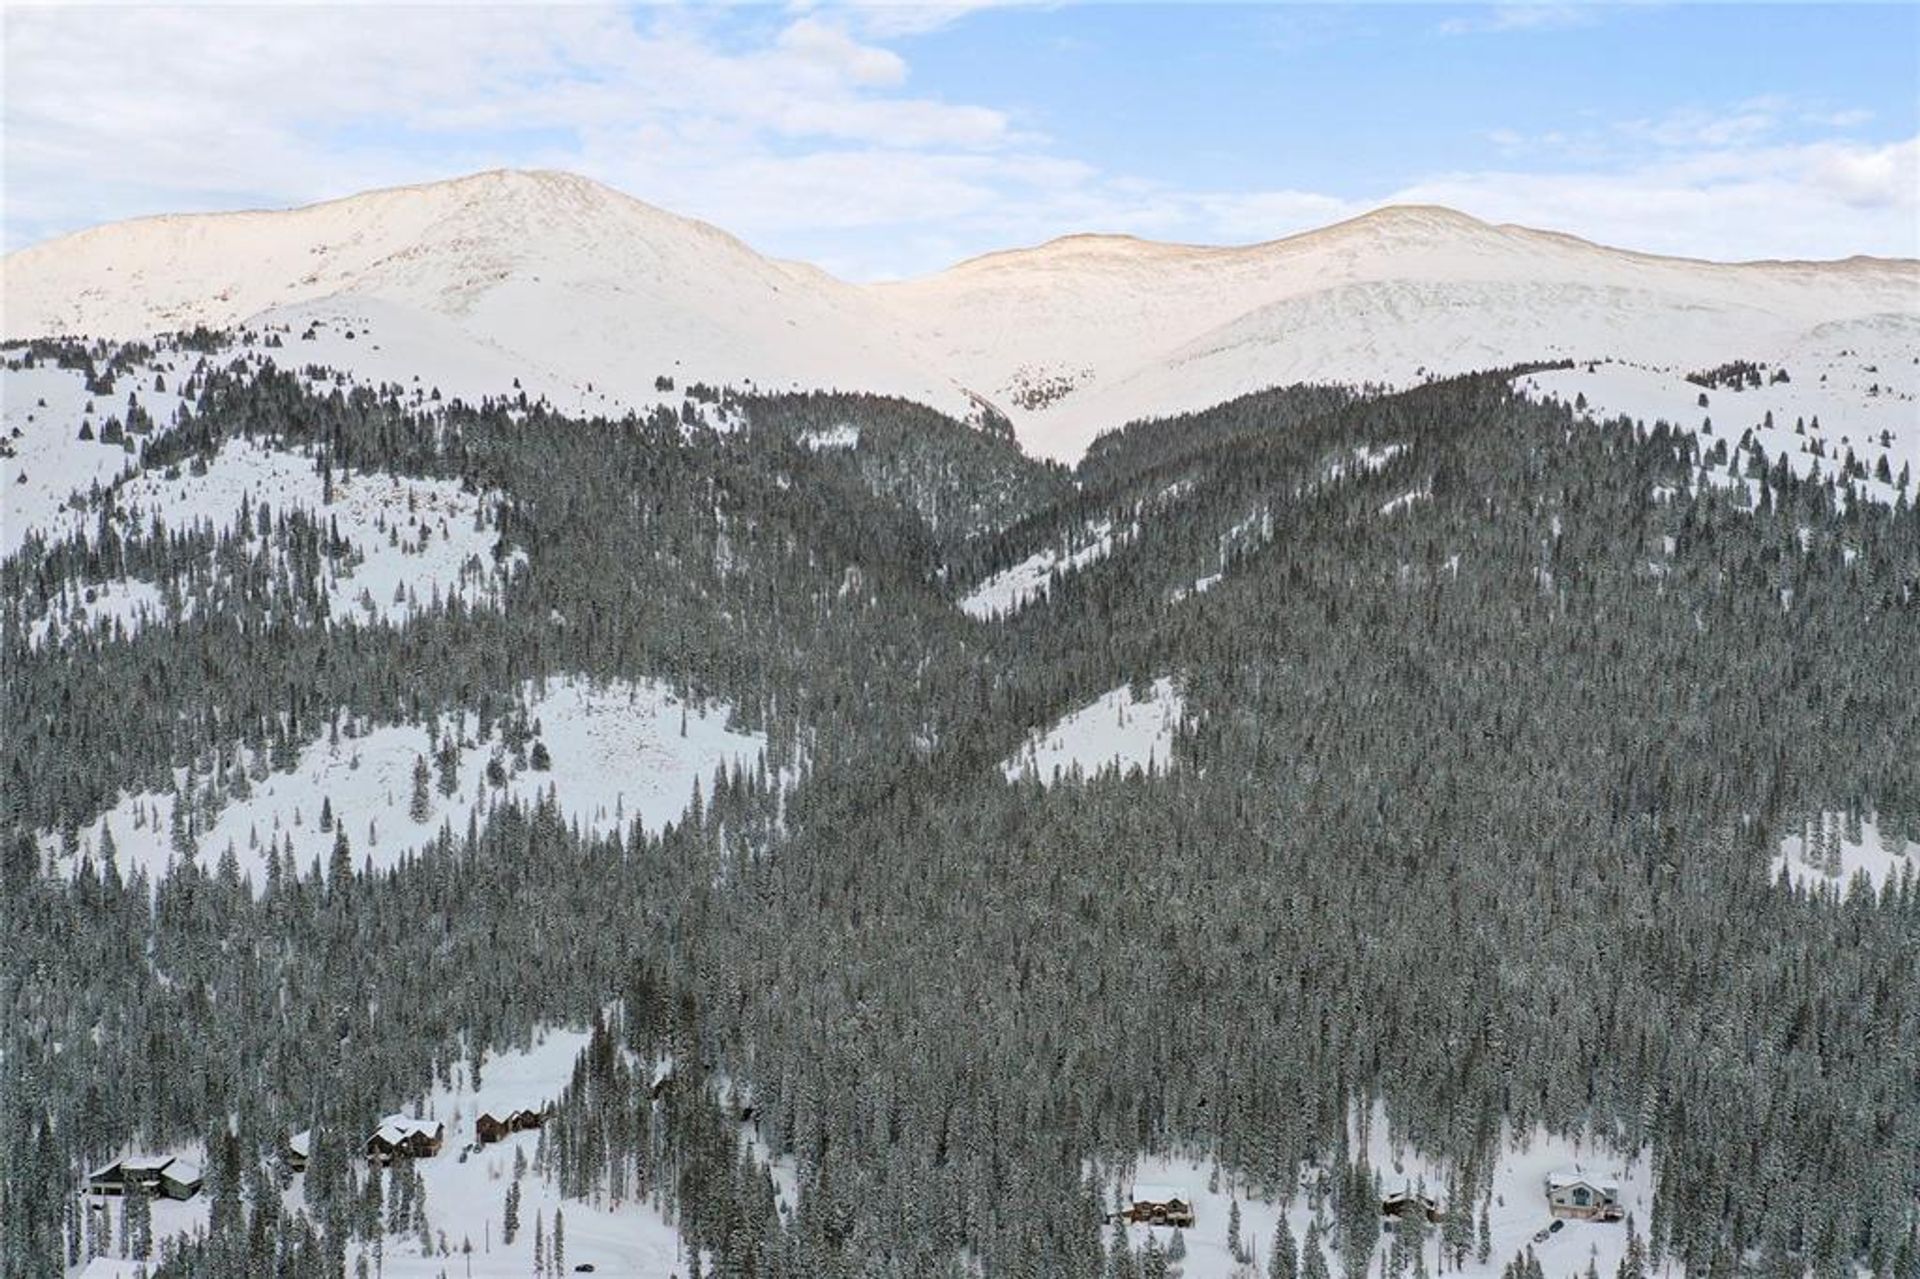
800 130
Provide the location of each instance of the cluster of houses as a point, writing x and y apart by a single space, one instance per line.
153 1175
404 1137
1569 1194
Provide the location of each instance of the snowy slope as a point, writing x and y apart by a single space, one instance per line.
1083 333
498 275
1854 387
1111 732
418 542
620 753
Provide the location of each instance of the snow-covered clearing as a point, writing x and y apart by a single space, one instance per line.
1013 588
844 436
621 753
1517 1211
466 1196
1112 732
418 542
43 460
1825 855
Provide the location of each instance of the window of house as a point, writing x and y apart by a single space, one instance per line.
1580 1198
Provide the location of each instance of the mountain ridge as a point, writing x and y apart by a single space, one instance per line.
612 298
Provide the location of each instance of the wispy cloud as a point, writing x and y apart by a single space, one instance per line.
1521 16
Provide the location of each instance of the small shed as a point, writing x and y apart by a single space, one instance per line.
180 1179
1576 1195
300 1149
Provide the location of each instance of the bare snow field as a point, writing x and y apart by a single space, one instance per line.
620 753
1112 732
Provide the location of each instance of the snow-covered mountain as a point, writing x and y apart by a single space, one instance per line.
588 296
547 277
1083 333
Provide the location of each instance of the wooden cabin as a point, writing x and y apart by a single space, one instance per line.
299 1150
489 1127
496 1122
1572 1194
180 1180
1158 1206
400 1136
1404 1203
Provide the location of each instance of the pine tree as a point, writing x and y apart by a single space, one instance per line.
1283 1257
420 804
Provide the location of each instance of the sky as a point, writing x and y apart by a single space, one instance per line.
882 141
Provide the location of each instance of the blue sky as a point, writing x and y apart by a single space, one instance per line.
882 141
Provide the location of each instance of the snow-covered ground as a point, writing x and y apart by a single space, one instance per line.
1013 588
1113 731
1517 1211
1854 388
43 460
1825 856
420 542
621 752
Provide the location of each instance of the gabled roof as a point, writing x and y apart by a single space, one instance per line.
133 1165
1568 1180
1150 1194
181 1172
397 1128
301 1143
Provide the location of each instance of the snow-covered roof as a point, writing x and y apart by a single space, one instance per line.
301 1143
1148 1194
145 1163
181 1171
395 1128
1567 1180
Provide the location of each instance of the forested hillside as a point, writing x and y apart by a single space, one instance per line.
1495 720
